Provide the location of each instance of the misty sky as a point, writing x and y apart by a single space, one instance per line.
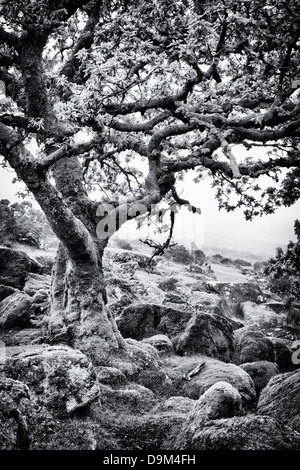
212 226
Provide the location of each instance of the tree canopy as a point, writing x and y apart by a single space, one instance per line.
173 84
284 268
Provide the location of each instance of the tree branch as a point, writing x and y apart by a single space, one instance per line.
168 131
67 152
167 102
142 127
184 202
84 42
160 248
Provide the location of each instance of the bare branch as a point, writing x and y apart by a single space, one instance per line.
160 248
184 202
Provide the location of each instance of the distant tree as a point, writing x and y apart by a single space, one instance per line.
22 223
284 268
156 88
7 223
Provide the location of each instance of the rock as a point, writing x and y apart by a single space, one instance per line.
189 332
15 412
142 365
211 335
252 345
40 301
161 342
15 311
238 433
110 375
15 265
141 260
169 285
135 394
60 378
5 291
261 315
170 297
26 336
216 371
177 405
277 307
117 287
221 400
132 398
40 297
238 292
140 321
118 306
261 372
203 301
37 282
47 261
280 399
283 354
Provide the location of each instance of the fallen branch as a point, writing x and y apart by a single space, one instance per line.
195 371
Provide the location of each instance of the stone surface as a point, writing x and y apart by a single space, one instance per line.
140 321
161 342
238 433
5 291
40 302
141 259
277 307
283 354
133 398
15 266
221 400
110 375
26 337
177 404
60 378
190 332
15 411
261 372
15 311
252 345
37 282
280 399
216 371
211 335
238 292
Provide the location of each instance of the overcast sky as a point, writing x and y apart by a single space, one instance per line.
212 226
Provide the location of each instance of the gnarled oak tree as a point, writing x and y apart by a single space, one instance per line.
175 85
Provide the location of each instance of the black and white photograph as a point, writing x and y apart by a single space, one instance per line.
149 228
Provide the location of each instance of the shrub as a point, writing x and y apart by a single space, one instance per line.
179 254
168 285
284 269
21 223
121 243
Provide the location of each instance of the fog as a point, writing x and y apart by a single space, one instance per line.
212 228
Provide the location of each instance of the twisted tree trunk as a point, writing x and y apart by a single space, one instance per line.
78 313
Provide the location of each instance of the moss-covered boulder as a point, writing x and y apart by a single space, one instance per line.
60 378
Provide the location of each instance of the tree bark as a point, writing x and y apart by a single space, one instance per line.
78 313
